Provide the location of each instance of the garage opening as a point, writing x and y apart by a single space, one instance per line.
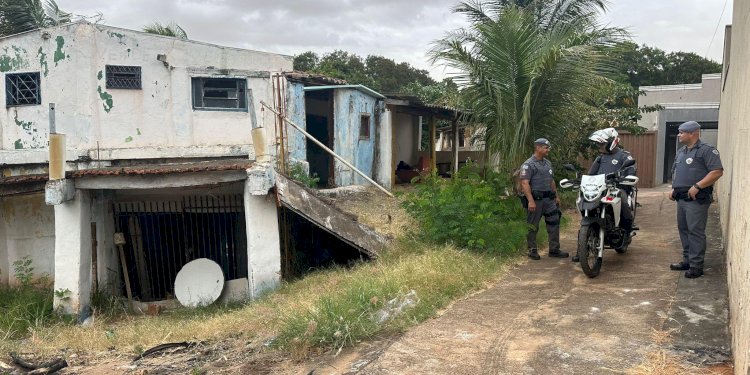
164 235
307 247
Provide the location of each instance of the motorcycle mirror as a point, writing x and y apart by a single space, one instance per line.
565 183
570 167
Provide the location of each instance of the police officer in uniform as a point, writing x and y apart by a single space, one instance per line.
540 199
612 157
696 167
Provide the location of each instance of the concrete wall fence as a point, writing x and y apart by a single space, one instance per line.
734 187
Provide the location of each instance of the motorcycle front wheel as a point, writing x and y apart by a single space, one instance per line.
588 250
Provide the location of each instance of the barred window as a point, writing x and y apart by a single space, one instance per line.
364 126
219 94
123 77
22 89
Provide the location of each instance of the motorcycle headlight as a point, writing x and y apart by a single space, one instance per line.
590 195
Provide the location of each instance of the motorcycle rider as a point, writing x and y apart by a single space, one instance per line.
611 158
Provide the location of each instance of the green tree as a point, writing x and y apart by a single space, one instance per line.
613 104
390 77
443 93
17 16
171 29
377 72
523 69
641 65
306 62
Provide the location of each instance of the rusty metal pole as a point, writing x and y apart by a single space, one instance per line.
94 265
280 120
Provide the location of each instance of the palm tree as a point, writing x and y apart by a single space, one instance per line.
170 29
523 64
17 16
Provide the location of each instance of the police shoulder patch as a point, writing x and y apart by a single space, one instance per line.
630 157
614 161
715 151
550 171
525 166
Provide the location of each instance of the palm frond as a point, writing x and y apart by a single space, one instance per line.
170 29
524 64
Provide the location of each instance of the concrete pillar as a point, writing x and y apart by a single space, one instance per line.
4 264
73 254
263 243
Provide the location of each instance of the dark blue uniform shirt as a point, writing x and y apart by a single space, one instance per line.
691 165
539 174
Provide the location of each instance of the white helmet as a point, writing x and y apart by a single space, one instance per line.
608 137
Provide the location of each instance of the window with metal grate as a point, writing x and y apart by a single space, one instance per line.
217 94
123 77
22 89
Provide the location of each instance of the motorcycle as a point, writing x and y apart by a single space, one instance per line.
599 201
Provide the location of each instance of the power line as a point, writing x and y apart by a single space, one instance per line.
718 23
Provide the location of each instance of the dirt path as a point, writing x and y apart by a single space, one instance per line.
546 317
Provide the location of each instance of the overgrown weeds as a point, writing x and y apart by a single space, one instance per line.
469 211
23 309
326 310
436 275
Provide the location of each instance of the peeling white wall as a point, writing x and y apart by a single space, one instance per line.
4 265
263 243
406 131
72 65
26 229
73 254
734 187
384 155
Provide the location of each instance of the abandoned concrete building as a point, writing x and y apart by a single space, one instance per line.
167 142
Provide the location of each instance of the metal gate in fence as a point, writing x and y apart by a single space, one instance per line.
163 236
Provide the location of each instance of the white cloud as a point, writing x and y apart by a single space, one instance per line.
397 29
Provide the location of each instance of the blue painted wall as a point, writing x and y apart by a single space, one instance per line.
295 109
348 106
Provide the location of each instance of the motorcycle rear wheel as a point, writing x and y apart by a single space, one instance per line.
588 250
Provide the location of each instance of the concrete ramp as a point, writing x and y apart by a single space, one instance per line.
305 203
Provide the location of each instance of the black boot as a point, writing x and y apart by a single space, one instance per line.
558 254
692 273
682 266
575 259
534 254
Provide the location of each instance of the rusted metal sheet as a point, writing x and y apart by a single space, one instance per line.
643 149
31 187
310 79
307 204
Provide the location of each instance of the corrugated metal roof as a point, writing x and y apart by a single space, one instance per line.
360 88
312 79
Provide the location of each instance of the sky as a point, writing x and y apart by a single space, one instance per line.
402 30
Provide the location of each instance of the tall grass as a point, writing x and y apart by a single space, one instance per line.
436 275
325 310
23 309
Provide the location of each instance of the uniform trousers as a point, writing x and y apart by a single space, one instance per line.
691 223
548 208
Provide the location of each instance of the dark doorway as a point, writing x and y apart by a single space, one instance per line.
163 236
320 161
671 144
307 247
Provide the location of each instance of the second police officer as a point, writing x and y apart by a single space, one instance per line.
540 199
696 168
